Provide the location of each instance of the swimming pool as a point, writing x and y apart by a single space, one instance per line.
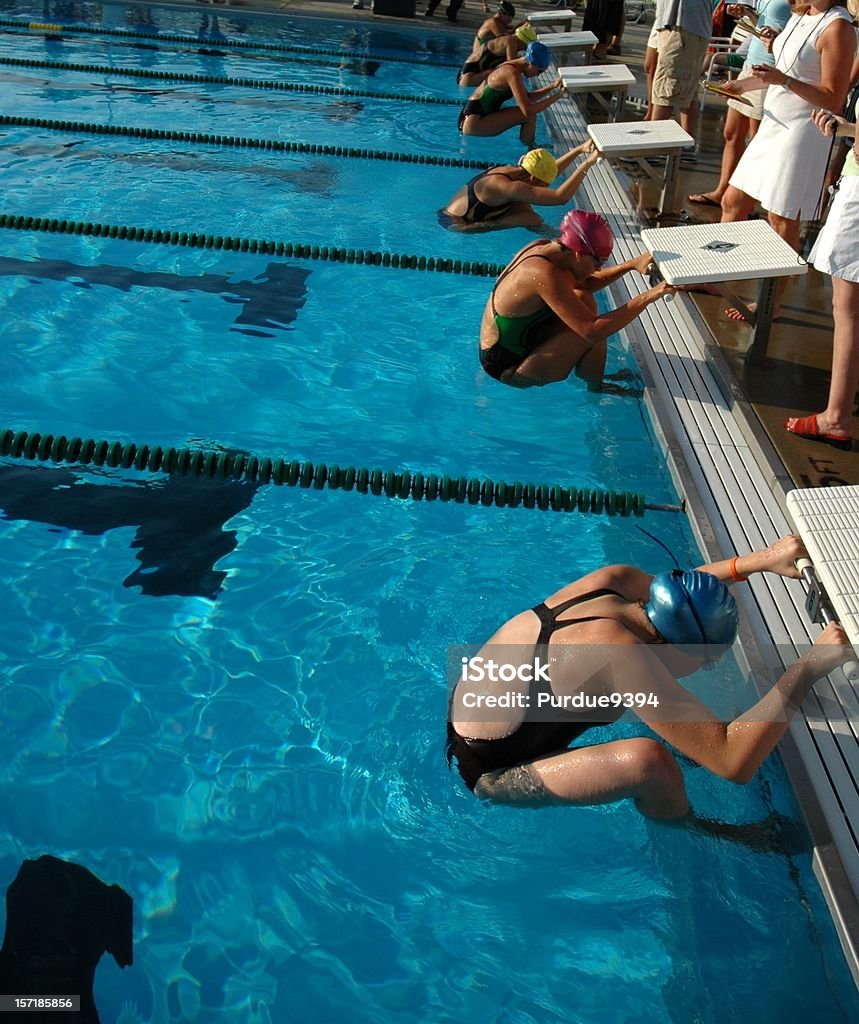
230 700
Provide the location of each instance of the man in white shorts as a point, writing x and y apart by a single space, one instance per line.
684 28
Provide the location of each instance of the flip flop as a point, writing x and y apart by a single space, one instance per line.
806 426
703 200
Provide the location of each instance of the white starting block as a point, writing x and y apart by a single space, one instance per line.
597 78
646 138
562 17
827 519
717 253
561 43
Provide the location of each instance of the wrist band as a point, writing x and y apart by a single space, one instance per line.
787 81
735 576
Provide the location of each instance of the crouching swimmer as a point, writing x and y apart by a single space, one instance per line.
502 197
620 629
541 322
487 56
484 112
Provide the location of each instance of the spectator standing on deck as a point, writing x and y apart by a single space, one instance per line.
684 30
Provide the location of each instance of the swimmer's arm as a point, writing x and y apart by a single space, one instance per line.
564 161
733 750
569 186
576 315
779 557
540 99
520 92
547 90
511 47
522 192
600 279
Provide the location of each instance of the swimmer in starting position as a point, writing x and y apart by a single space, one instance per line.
541 322
621 629
488 56
483 114
502 196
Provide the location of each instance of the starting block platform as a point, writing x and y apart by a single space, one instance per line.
598 78
718 253
646 138
827 519
569 42
562 17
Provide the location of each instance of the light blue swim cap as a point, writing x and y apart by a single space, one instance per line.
689 608
538 55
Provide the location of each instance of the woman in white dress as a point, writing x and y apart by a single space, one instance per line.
784 166
836 252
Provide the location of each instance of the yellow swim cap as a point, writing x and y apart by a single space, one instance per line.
525 34
541 164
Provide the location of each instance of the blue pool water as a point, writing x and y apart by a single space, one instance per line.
230 700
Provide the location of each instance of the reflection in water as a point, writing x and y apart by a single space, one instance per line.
316 176
180 520
60 920
268 303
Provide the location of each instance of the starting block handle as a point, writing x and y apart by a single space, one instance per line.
827 615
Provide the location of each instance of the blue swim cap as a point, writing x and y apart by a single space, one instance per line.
690 608
538 55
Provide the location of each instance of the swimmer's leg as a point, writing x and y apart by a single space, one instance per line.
775 833
641 769
555 358
521 215
528 131
493 124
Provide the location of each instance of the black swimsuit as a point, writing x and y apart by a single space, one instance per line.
531 740
477 212
487 61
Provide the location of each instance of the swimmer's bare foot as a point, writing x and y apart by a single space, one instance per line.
610 385
734 314
774 834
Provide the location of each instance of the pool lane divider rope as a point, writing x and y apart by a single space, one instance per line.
207 51
243 83
242 142
212 464
232 243
49 28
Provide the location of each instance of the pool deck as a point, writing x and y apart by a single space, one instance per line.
720 425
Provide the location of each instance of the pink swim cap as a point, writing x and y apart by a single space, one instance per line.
587 234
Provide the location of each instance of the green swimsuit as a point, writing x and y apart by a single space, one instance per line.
488 102
518 336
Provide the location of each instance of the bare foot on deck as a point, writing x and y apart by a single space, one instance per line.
705 199
735 314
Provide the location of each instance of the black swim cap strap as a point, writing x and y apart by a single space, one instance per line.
676 573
